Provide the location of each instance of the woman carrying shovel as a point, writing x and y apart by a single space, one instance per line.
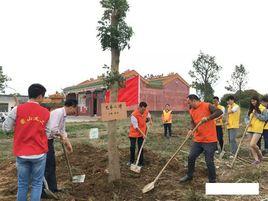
137 131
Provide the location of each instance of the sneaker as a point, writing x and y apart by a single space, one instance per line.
129 163
217 152
256 162
185 179
231 157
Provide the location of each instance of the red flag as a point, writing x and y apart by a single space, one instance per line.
128 94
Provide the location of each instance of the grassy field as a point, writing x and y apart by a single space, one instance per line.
156 143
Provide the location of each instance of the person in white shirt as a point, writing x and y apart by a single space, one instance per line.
56 128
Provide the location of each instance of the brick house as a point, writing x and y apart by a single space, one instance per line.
156 91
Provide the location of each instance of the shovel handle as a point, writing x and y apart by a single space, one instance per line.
67 162
145 136
241 140
173 156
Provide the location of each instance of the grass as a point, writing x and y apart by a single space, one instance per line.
78 133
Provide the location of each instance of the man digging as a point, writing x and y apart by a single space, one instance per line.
56 127
205 138
137 130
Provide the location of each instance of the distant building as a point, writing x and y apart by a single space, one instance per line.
156 91
7 102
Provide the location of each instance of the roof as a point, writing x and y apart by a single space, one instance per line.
155 82
164 80
57 95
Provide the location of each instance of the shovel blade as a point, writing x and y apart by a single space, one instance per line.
50 194
79 178
135 168
222 154
148 187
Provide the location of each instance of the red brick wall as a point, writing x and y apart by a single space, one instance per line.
174 93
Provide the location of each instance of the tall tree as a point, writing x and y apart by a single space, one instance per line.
205 74
3 80
238 80
114 35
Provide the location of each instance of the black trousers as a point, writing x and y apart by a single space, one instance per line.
220 136
133 142
50 171
209 150
265 136
167 129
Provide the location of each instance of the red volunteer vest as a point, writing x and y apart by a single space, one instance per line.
29 133
206 132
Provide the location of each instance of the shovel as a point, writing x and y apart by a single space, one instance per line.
223 147
241 140
135 167
150 186
74 179
49 192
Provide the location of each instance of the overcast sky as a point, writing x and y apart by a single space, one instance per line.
54 42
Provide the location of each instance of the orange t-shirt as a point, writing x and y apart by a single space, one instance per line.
206 132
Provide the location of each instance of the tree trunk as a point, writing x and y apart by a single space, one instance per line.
113 154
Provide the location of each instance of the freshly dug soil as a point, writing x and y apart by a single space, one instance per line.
93 162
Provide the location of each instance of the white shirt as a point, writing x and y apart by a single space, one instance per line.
235 108
56 123
134 120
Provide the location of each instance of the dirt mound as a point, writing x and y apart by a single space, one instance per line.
93 162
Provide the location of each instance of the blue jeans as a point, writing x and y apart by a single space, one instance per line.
30 171
232 132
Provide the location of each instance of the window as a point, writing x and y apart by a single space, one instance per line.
3 107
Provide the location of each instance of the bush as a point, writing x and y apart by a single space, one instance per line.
242 98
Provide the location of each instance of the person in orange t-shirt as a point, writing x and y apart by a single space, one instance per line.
205 138
137 131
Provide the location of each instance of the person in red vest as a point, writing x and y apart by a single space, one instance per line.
137 130
205 138
30 146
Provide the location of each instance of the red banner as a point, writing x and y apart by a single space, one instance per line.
129 94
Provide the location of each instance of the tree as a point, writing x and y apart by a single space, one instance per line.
205 74
243 97
3 80
114 35
238 80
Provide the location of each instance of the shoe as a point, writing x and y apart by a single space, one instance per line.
231 157
217 152
129 163
256 162
185 178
